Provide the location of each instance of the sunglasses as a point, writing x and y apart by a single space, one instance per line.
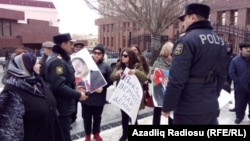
124 55
97 53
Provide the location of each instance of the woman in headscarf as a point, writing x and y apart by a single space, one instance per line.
27 107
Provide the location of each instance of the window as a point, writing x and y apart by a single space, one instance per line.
248 17
7 29
124 26
112 27
221 18
103 28
1 28
107 41
124 41
50 23
112 41
234 17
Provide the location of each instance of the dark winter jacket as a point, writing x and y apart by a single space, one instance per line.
59 75
27 108
239 72
99 99
196 54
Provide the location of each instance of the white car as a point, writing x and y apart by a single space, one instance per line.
110 60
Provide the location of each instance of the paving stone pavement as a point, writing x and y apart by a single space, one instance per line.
226 118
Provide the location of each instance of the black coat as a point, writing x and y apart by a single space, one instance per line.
27 115
99 99
194 55
59 74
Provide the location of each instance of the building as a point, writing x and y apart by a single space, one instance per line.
26 23
90 41
230 19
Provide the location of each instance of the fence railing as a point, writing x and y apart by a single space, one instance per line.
233 34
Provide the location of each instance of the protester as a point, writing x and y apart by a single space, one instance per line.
128 59
92 108
197 72
228 83
78 46
60 77
230 56
27 107
162 62
141 58
239 72
47 50
16 52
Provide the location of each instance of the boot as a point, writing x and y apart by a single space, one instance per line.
97 137
87 138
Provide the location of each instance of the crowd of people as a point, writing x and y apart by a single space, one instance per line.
39 100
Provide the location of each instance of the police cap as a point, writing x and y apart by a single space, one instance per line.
196 8
60 38
246 44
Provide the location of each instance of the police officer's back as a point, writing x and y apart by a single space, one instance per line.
197 71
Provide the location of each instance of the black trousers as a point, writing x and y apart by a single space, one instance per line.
125 122
241 101
157 117
65 122
89 113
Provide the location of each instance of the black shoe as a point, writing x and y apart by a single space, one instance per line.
123 138
237 121
232 110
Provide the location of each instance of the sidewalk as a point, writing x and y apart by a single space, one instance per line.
225 118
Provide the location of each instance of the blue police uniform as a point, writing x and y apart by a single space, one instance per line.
196 77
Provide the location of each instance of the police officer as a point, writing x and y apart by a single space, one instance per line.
197 71
59 75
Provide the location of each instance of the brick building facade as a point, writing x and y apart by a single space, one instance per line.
32 33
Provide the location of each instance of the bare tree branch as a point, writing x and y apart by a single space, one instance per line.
153 15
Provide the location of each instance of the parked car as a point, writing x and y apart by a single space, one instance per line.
111 60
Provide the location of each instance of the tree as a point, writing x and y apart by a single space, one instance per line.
153 15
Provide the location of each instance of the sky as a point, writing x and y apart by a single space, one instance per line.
76 17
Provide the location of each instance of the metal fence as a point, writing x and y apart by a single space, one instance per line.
232 34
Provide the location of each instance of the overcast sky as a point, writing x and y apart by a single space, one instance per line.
75 17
